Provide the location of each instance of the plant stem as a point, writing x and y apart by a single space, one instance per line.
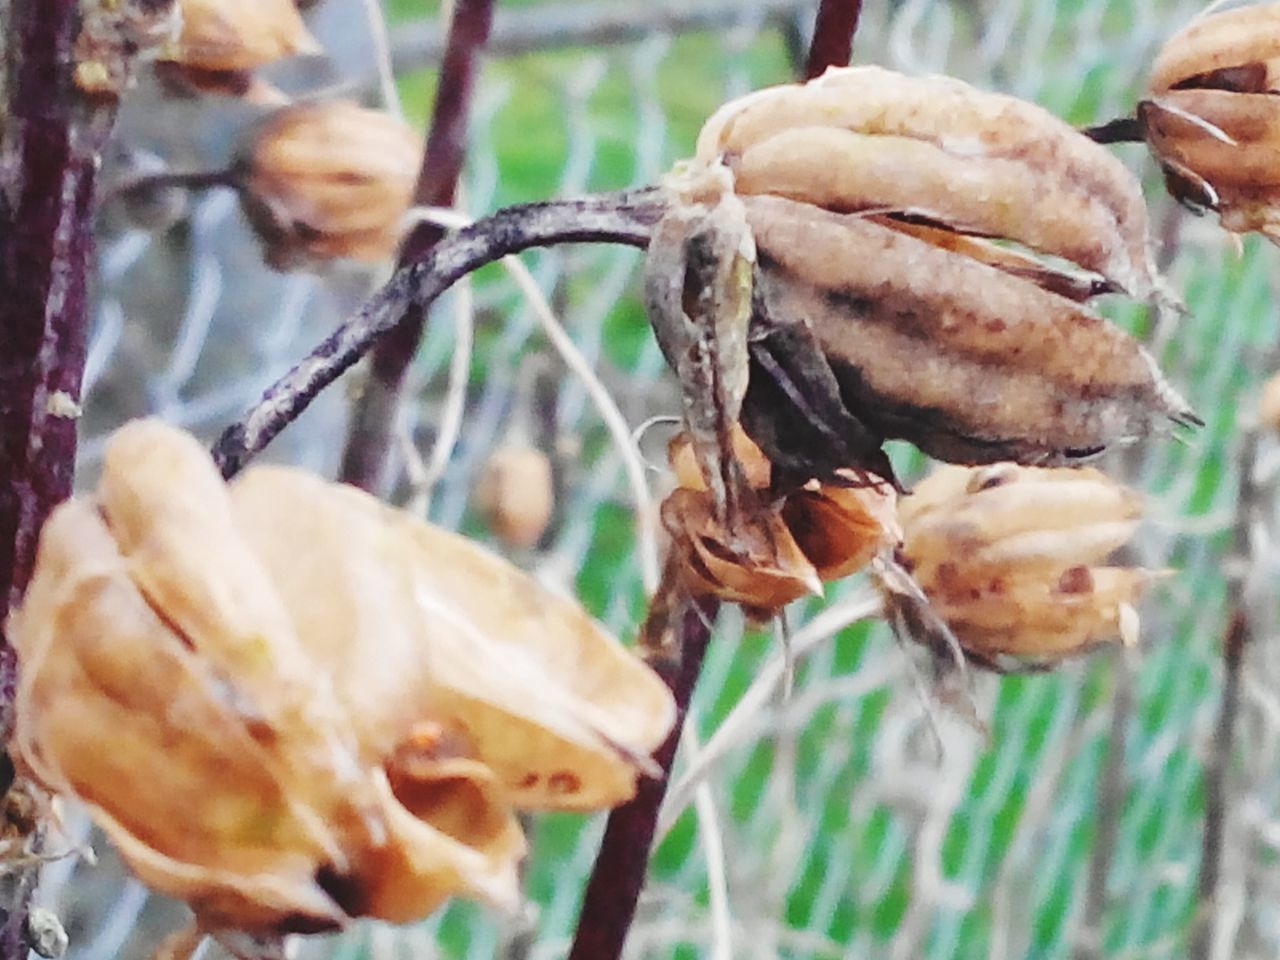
1121 130
375 412
674 638
624 217
833 30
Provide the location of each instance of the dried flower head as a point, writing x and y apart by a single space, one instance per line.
815 533
516 495
320 708
326 180
1010 558
233 35
1211 118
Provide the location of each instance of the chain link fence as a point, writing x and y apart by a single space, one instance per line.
833 826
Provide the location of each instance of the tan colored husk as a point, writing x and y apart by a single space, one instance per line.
239 34
966 360
1269 404
329 179
293 741
1008 556
516 495
1221 41
904 143
533 686
842 529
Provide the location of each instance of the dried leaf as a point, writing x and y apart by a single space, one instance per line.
967 362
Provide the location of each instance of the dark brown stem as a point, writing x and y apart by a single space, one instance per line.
184 179
373 419
674 637
832 43
1218 766
51 138
625 218
1121 130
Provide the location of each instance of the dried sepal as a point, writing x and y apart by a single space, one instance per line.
841 529
1211 118
869 139
233 35
329 179
967 361
1011 558
294 742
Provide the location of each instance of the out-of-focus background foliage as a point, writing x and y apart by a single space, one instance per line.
1074 828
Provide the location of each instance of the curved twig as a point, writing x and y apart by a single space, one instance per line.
624 217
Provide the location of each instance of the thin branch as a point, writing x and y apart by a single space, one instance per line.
833 30
372 429
624 218
674 637
1218 766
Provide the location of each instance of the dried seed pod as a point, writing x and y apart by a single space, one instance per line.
1230 50
868 139
516 495
1269 404
232 35
293 741
1211 119
326 180
966 361
1009 557
842 529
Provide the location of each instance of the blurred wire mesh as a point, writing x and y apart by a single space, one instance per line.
1073 830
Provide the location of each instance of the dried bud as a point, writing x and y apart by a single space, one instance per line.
313 699
1211 118
1008 557
326 180
233 35
329 180
516 495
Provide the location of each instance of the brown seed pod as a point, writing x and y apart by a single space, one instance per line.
868 139
1010 556
326 180
966 361
313 700
230 35
516 495
1211 119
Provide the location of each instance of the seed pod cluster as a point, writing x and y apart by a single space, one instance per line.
1011 558
1212 120
814 533
320 708
328 179
925 253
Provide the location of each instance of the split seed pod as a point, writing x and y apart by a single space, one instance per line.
231 35
312 698
1011 558
326 180
865 139
1212 120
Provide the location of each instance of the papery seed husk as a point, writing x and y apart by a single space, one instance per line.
1242 153
968 125
240 34
1220 41
969 363
685 465
841 529
850 172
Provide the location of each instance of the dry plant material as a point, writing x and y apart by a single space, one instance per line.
924 254
329 179
516 495
1269 404
1212 117
319 708
114 35
1011 559
817 532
